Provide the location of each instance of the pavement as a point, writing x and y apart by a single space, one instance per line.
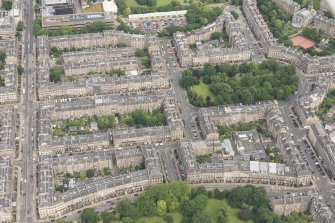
322 183
187 110
26 206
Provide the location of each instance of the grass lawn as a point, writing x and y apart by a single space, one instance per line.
203 90
94 8
214 206
177 218
289 30
133 3
163 2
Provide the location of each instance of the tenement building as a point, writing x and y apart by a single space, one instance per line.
91 40
320 212
7 25
285 143
325 24
172 132
99 59
304 62
288 6
211 117
306 107
9 93
66 109
6 192
234 30
258 25
93 192
236 171
103 85
285 204
324 146
8 123
80 162
213 55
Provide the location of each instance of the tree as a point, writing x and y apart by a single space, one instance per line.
107 171
89 216
65 30
216 35
278 24
329 15
2 56
311 33
209 70
220 217
246 96
161 208
127 209
55 74
316 4
234 14
82 175
20 26
245 214
7 5
55 52
194 205
237 2
201 217
296 217
36 7
106 217
90 173
168 219
20 69
188 80
60 188
146 206
203 21
18 35
126 11
198 191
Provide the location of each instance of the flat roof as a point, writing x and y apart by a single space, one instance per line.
55 2
157 14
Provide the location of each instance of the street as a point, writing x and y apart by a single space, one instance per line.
27 206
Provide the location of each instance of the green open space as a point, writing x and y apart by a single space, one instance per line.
2 59
83 125
212 209
177 218
87 124
142 118
133 3
214 206
226 131
239 83
178 202
163 2
202 89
